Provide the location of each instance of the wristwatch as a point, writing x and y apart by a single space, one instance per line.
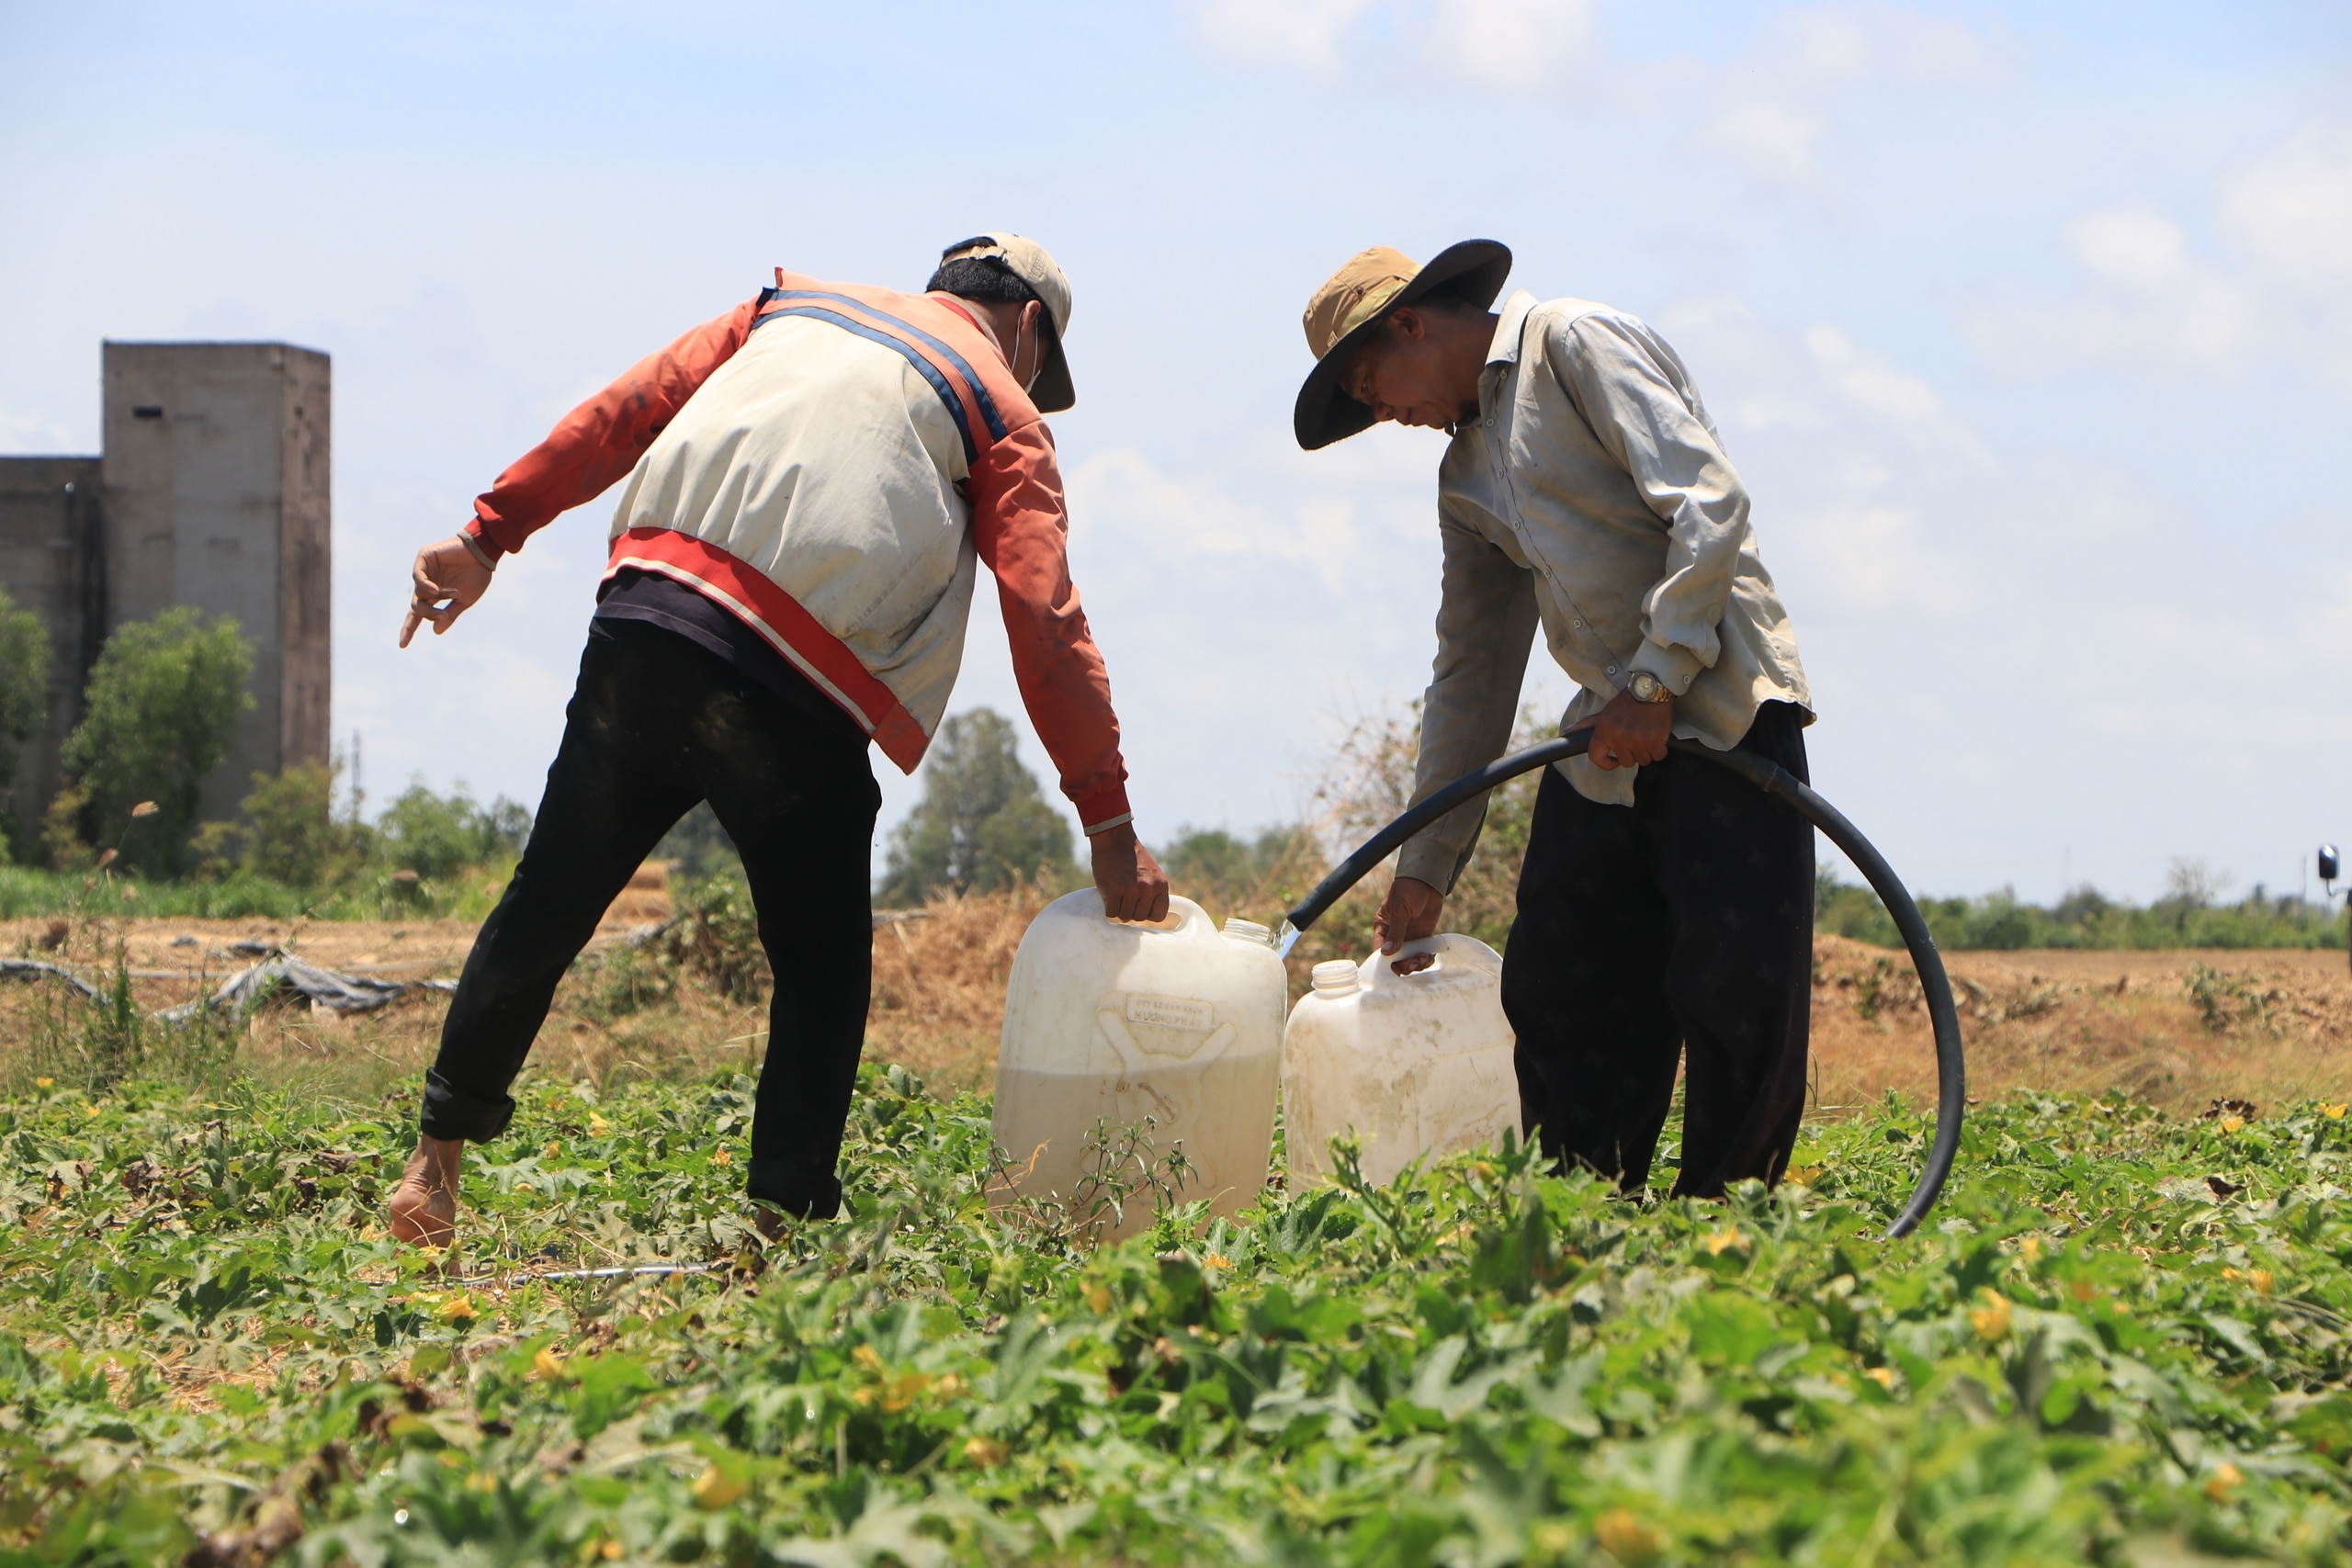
1645 687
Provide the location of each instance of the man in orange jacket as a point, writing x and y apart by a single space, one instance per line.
812 480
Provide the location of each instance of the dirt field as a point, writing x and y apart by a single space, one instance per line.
2177 1029
2270 1026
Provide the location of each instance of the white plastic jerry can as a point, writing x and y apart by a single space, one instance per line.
1413 1065
1114 1023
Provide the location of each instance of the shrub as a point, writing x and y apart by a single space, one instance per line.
716 938
24 681
294 838
700 847
2084 919
982 823
157 716
437 835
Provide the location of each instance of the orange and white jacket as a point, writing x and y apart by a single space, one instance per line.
826 461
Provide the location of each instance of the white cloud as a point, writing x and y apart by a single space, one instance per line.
1869 380
1873 385
2155 295
1771 138
1776 101
1512 44
2291 209
34 434
1874 559
1281 32
2146 296
1180 518
1772 410
1515 45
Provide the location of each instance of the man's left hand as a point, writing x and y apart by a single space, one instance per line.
1626 734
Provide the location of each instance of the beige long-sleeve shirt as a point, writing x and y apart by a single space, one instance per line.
1591 497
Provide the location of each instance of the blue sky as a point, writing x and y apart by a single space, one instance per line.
2027 324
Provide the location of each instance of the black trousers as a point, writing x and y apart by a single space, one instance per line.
1680 927
657 724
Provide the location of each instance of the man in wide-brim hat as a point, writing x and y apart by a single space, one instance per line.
1665 906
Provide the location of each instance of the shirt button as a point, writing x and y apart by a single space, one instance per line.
1612 669
1489 423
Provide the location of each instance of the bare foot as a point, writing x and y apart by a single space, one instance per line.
424 1204
768 1222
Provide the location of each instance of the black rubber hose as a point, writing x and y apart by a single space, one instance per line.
1952 1069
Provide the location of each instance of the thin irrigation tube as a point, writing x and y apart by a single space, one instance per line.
1952 1070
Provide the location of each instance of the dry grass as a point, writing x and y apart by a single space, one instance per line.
2279 1026
939 986
2271 1026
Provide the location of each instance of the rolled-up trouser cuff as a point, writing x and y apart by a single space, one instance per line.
775 1181
450 1113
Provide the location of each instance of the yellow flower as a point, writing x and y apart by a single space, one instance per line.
2031 1246
523 1187
714 1489
951 1385
1991 1320
866 1356
1623 1536
2231 1124
611 1550
722 1157
552 1149
44 1083
1218 1260
458 1307
597 1125
1098 1296
2262 1279
901 1392
1882 1376
2333 1112
987 1453
1722 1241
547 1366
2226 1479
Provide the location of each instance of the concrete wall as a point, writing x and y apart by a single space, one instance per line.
52 559
214 494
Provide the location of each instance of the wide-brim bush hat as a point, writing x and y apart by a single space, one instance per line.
1357 298
1028 260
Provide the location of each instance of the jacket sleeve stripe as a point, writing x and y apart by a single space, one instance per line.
759 604
988 415
912 354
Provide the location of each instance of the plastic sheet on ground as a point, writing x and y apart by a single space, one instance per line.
325 987
34 969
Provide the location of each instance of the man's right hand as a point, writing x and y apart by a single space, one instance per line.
446 581
1132 885
1409 914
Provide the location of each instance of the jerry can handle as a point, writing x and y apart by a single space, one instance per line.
1452 950
1182 915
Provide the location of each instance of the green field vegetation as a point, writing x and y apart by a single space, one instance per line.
2121 1340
